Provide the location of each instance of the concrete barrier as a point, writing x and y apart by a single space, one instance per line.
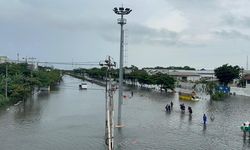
240 91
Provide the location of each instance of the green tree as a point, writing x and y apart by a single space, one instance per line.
97 72
164 81
226 73
45 78
210 87
21 80
133 75
19 87
142 77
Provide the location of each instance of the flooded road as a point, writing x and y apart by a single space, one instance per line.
69 118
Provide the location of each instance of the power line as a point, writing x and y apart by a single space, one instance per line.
88 63
71 63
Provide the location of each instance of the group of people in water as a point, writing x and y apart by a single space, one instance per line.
183 107
169 107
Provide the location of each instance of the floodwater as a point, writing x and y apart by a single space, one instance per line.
69 118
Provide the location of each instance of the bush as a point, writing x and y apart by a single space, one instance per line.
3 100
218 96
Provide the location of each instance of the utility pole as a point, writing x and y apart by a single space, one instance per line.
6 80
17 57
32 65
26 59
109 105
247 63
122 21
32 59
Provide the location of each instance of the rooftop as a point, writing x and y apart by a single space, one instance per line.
247 77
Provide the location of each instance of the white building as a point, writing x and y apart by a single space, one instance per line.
247 78
240 90
185 75
3 59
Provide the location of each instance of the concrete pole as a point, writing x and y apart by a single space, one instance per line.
247 63
6 81
109 106
106 105
17 57
121 76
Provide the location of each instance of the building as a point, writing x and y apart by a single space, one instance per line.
240 90
3 59
247 78
184 75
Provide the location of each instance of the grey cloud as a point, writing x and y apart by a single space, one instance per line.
139 34
232 34
236 21
192 5
57 6
108 29
146 35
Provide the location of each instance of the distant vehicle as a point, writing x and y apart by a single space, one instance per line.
83 86
190 96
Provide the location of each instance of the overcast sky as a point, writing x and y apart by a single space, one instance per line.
197 33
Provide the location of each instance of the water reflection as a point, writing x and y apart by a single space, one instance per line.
27 112
246 142
43 95
204 129
190 119
182 115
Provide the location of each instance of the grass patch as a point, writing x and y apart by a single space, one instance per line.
3 101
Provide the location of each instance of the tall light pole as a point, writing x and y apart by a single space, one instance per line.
121 11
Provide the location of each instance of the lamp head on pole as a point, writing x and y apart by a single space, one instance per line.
122 11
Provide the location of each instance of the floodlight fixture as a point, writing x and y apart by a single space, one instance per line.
121 8
122 11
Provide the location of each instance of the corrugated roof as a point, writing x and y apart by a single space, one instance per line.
183 74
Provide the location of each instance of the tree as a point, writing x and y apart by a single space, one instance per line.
142 77
45 78
164 80
22 80
132 75
226 73
210 87
97 73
